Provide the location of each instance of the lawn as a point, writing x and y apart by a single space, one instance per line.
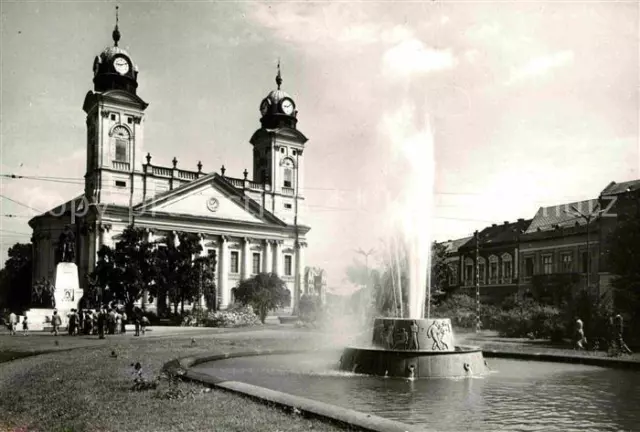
86 389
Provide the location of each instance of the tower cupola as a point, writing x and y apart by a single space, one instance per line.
113 68
278 109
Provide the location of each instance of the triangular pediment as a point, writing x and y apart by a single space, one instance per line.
211 197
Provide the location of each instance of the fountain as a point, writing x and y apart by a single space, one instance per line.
415 346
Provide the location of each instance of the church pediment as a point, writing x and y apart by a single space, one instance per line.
210 197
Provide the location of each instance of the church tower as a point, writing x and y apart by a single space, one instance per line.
115 119
278 148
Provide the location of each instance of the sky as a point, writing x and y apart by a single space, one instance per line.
519 105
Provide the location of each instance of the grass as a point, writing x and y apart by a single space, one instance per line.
85 389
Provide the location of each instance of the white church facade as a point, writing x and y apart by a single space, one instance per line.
253 223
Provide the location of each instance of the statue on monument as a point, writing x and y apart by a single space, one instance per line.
67 245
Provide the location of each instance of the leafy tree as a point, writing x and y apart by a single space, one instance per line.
624 258
179 269
15 283
133 259
106 279
310 308
264 292
205 270
441 271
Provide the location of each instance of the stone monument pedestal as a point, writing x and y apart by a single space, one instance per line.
67 294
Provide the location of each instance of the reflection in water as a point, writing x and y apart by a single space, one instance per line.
517 395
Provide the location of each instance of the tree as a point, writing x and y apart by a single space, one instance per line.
624 258
106 279
179 269
205 268
15 281
441 271
264 292
133 259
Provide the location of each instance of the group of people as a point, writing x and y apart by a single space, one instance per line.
89 322
13 324
615 340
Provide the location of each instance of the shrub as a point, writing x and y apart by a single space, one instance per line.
531 319
235 316
310 309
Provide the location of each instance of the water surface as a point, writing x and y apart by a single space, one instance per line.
515 396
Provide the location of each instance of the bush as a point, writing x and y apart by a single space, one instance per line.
235 316
461 309
531 319
311 309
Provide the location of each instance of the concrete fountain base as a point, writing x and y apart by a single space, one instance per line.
413 348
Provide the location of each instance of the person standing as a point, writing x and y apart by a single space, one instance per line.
123 322
25 326
13 322
72 322
56 322
102 317
144 322
580 340
619 325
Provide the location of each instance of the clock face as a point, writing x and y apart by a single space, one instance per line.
121 65
264 107
287 106
213 204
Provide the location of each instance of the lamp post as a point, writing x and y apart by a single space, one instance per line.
587 217
477 236
366 261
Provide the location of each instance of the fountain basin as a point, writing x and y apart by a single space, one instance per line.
413 348
464 361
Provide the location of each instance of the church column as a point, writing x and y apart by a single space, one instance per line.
267 262
299 275
277 258
223 273
246 263
203 253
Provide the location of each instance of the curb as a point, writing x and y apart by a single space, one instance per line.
289 402
560 358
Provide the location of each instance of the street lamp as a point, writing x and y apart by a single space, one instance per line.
587 217
366 261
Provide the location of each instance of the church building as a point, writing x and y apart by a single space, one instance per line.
252 223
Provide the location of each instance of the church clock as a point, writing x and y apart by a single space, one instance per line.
121 65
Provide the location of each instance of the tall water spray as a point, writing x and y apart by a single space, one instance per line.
416 210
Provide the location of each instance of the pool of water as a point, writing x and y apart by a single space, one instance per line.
515 396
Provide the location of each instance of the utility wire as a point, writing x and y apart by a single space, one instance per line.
19 203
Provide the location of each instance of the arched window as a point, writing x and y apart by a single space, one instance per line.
121 141
468 271
287 171
493 269
507 268
482 265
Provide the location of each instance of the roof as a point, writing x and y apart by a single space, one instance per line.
561 215
614 188
452 246
508 232
63 209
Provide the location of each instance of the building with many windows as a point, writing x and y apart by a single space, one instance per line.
564 249
252 223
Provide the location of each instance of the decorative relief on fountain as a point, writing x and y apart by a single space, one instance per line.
413 334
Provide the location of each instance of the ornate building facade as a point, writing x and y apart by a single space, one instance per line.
252 225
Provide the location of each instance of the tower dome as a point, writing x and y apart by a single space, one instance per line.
113 68
278 109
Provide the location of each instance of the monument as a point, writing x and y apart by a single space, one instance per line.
65 293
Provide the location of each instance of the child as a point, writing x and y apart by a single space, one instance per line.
25 326
144 322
